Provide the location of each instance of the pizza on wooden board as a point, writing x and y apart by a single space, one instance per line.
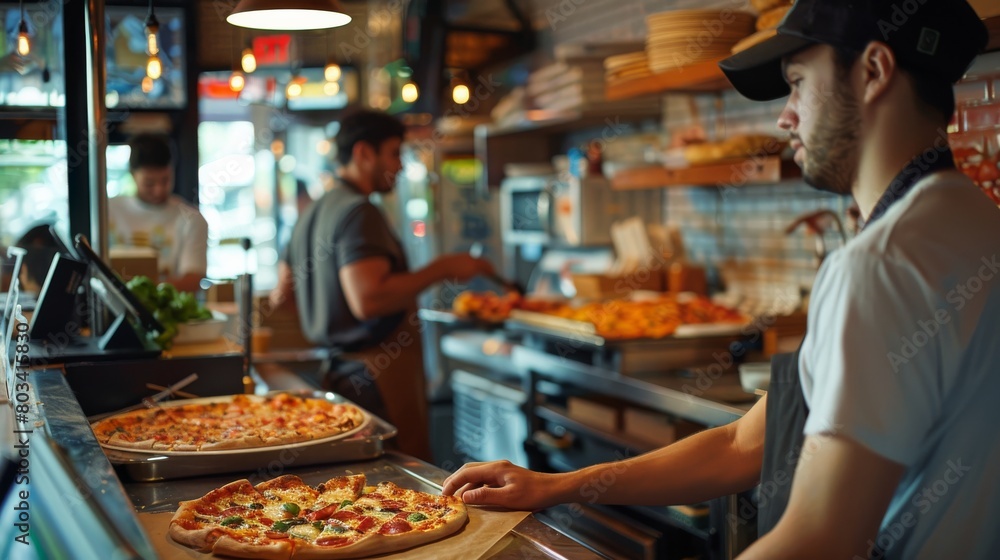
284 518
237 422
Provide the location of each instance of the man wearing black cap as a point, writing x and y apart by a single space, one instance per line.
352 283
875 438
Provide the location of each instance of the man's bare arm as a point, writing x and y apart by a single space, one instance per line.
713 463
373 290
839 496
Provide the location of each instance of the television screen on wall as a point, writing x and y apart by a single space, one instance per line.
127 58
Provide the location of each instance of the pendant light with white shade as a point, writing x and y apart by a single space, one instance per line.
288 15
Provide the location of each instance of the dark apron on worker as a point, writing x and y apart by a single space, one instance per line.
787 411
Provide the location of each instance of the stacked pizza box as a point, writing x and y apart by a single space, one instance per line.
576 81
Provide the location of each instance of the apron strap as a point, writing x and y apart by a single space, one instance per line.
785 419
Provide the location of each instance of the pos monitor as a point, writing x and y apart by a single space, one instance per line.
75 292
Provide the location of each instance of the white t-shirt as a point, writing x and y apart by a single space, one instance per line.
176 230
902 356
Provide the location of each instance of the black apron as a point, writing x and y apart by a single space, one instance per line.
787 412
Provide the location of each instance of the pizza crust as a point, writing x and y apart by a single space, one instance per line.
273 550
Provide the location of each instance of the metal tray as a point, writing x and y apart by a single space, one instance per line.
367 443
640 356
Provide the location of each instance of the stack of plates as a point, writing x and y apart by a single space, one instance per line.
684 37
625 67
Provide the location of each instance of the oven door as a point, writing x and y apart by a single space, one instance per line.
526 209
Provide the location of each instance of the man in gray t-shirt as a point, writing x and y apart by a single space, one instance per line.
352 283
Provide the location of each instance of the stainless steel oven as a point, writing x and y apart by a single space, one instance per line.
556 210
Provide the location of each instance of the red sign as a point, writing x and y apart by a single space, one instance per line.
272 50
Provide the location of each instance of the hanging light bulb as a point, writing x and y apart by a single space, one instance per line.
152 28
332 72
23 41
237 81
154 68
460 94
331 88
147 84
410 92
248 61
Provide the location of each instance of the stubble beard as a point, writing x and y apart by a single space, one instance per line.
831 161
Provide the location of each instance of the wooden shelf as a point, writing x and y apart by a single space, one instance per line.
993 26
732 172
703 76
554 122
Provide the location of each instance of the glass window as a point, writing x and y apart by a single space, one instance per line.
36 79
235 183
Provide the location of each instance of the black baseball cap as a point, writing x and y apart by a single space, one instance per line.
938 38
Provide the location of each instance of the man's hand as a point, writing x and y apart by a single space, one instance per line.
501 483
461 267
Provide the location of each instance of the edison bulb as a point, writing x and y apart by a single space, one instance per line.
410 92
332 72
331 88
23 44
294 89
152 46
237 81
460 94
154 69
248 61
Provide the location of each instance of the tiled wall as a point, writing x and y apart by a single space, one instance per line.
744 225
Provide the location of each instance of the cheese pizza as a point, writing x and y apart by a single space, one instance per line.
284 518
230 423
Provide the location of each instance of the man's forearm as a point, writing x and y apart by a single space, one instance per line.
698 468
398 291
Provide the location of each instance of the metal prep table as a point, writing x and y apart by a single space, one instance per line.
530 539
79 497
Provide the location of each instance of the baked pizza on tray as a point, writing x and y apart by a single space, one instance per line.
284 518
229 423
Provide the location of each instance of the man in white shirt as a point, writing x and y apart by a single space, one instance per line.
877 439
157 218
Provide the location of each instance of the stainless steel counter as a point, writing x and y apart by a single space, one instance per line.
688 398
488 350
705 400
77 497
